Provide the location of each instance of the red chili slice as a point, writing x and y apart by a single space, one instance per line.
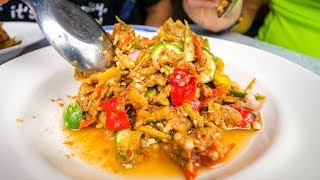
198 50
219 92
191 175
116 119
195 105
111 104
182 89
247 117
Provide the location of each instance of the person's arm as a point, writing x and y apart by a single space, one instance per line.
204 14
158 13
3 1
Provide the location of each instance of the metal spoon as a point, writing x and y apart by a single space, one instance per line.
232 4
77 37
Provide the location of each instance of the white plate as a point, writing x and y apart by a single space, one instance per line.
26 32
287 148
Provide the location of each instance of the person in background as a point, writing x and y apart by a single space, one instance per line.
147 12
204 14
293 24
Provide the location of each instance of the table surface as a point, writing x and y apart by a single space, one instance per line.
310 63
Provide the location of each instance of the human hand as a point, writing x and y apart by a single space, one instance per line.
3 1
204 14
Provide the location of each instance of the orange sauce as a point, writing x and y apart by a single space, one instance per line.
93 146
240 138
97 149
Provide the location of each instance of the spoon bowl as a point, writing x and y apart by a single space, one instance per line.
76 36
232 4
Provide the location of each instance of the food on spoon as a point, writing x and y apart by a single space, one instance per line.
5 40
223 5
169 90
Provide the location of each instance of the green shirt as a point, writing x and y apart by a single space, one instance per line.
293 24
